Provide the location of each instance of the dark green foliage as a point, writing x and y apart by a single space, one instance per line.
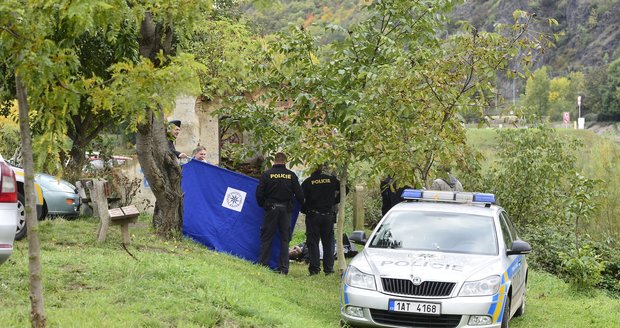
611 93
547 242
583 270
594 88
608 249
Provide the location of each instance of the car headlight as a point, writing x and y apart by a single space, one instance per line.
485 287
359 279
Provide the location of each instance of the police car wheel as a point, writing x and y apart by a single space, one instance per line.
506 315
21 217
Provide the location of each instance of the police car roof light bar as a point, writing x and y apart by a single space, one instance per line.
448 196
484 198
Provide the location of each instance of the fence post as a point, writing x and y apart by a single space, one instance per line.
358 208
99 199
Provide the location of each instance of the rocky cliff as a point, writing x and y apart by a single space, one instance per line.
589 29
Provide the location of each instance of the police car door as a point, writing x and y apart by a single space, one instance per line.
516 263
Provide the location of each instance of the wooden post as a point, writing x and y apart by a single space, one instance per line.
124 216
358 208
100 206
85 207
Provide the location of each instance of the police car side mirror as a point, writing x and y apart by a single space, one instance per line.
358 237
519 247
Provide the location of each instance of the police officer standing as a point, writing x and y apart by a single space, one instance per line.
322 192
276 189
172 133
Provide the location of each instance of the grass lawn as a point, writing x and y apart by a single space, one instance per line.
182 284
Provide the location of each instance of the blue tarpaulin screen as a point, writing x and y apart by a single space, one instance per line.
220 211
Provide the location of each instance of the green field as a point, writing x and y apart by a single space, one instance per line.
181 284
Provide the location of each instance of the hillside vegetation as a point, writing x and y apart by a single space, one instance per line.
589 30
182 284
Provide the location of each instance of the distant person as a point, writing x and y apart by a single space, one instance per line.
390 194
322 192
275 192
446 182
388 190
173 131
200 154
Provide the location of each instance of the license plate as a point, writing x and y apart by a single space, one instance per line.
414 307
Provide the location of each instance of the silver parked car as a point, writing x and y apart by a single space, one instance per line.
439 259
55 197
8 210
60 197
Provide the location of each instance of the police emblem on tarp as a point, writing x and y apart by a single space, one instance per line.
234 199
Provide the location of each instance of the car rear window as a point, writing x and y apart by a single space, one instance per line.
437 231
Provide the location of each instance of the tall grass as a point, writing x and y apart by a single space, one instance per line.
181 284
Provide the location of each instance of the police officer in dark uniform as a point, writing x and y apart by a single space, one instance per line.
275 192
322 192
172 132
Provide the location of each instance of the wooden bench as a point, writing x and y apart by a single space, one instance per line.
124 216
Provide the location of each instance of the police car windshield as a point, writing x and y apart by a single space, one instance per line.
437 231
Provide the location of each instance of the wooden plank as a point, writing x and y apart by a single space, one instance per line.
116 214
130 210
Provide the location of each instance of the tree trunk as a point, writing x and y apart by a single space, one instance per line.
344 172
37 313
159 164
163 174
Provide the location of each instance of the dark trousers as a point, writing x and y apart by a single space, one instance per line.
276 218
320 226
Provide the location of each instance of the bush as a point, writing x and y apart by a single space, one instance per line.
530 175
583 269
610 276
10 139
546 244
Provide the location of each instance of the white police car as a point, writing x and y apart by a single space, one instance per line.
439 259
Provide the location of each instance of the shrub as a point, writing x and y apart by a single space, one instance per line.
530 174
10 139
546 244
610 276
583 269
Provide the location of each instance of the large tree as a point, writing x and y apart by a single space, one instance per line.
137 90
38 46
387 94
537 94
40 67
